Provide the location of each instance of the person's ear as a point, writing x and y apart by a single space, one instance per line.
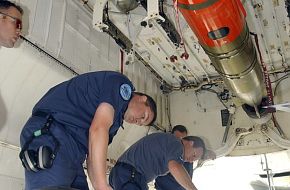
191 143
143 98
188 143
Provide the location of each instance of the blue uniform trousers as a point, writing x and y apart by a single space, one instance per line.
67 169
124 177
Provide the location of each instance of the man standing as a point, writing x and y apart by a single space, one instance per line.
75 120
155 155
10 23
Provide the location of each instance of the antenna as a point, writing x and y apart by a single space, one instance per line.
268 173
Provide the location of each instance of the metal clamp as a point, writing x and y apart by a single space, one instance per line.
153 11
98 23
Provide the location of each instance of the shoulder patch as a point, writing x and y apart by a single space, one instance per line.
125 91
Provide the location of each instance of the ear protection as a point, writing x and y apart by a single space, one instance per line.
42 158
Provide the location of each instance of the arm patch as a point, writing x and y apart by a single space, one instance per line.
125 91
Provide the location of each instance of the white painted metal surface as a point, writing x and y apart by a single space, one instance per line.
64 29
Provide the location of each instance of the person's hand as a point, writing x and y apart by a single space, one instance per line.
210 155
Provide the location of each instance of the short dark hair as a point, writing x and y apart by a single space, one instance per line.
179 128
151 103
4 4
197 143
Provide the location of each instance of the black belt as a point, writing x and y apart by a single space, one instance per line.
41 114
125 165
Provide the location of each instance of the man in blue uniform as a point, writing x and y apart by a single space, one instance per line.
75 120
10 23
168 182
156 155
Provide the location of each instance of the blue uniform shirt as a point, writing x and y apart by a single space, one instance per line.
73 103
151 154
